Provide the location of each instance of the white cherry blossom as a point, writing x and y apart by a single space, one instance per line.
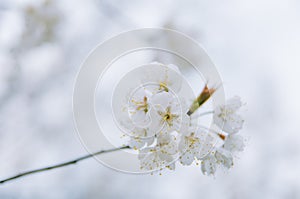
160 156
167 143
189 146
218 157
208 145
169 110
209 165
160 127
167 77
141 137
196 145
234 143
224 158
139 107
226 117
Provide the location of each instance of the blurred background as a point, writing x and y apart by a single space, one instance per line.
255 45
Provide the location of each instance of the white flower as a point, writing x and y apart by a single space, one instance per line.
226 118
139 107
169 110
209 165
160 156
159 123
166 77
150 159
196 145
153 160
137 142
140 137
140 114
234 143
187 123
208 145
224 158
217 157
167 143
190 147
163 99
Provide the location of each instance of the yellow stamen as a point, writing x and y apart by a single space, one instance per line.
163 86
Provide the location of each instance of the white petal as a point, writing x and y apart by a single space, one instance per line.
156 124
174 79
150 162
227 120
163 99
234 143
171 148
153 160
140 118
186 125
174 67
234 103
183 144
171 166
139 138
208 165
160 73
165 158
144 152
139 94
236 123
207 146
126 123
186 158
164 138
136 143
224 157
167 143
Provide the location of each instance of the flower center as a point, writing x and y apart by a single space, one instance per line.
168 117
192 139
163 86
142 106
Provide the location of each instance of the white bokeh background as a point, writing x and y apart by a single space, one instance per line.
255 45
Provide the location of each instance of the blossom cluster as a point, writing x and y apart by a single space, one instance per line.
161 125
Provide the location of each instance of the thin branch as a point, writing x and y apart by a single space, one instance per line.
200 100
61 164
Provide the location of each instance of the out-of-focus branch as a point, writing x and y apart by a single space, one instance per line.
61 164
113 12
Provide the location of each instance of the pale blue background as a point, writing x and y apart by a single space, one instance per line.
255 45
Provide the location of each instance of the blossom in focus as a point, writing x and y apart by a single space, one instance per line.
161 129
209 165
140 137
190 146
168 109
139 108
160 156
166 77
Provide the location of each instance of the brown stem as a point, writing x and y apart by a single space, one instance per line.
61 164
